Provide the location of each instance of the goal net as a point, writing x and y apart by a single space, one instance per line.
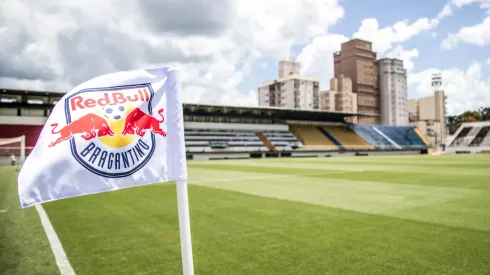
12 150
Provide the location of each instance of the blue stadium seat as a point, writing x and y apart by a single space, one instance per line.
404 137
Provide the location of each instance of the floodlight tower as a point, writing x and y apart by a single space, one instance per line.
436 81
440 106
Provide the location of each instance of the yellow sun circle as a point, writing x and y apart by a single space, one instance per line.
117 140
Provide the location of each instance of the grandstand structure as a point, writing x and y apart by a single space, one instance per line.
225 132
471 137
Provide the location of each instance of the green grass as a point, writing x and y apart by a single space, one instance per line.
353 215
24 248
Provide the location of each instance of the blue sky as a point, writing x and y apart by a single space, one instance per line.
428 43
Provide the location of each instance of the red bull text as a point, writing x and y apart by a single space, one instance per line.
111 131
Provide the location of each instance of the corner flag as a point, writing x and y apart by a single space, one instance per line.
114 131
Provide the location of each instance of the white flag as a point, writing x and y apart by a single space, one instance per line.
115 131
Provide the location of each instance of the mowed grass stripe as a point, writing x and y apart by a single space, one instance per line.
278 164
437 176
24 248
372 197
388 162
135 231
262 169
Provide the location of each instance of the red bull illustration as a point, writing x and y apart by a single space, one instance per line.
89 125
137 121
111 131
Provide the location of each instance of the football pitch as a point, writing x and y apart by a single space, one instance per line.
346 215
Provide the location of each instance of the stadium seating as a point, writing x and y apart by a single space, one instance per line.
471 137
459 139
204 140
312 138
281 140
373 137
347 138
482 138
390 137
486 140
422 136
404 136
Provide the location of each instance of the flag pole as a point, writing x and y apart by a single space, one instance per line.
185 228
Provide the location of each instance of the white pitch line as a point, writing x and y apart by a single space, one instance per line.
58 251
3 210
270 177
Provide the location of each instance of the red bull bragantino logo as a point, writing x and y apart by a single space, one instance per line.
111 131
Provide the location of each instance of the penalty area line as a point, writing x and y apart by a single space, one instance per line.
59 253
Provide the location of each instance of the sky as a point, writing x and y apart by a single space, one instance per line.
225 49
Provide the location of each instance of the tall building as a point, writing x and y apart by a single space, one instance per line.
327 100
392 82
357 61
340 97
291 90
429 115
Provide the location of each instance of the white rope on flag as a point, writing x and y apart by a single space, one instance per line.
59 253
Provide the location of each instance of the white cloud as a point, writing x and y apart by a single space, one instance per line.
465 90
484 4
461 3
478 35
263 65
488 61
401 31
317 57
446 11
38 52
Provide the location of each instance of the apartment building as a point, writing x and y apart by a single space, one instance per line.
393 92
340 97
290 90
357 61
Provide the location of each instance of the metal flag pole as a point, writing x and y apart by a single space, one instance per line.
185 228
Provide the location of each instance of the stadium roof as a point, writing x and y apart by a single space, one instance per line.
269 112
207 109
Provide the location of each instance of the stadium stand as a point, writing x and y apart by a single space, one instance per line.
481 137
220 132
404 136
374 137
279 140
460 137
422 136
391 137
471 138
312 138
349 140
204 140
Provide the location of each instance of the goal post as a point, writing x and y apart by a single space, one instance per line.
13 146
